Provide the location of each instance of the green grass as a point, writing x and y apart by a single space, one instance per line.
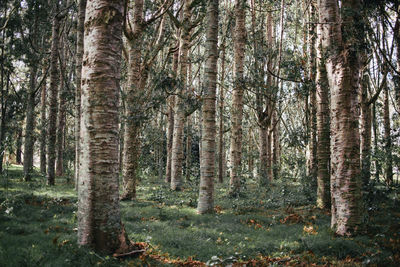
38 226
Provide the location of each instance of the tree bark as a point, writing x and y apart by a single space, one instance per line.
343 75
323 128
207 167
170 122
43 127
78 75
30 125
221 152
365 137
388 139
99 220
237 97
53 102
179 116
61 115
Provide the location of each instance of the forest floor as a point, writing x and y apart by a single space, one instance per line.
279 226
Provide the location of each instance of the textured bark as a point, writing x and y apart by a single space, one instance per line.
365 137
263 173
134 92
237 97
53 103
18 156
188 147
30 125
99 222
61 115
207 167
275 146
221 152
376 138
388 139
179 116
170 122
323 129
43 127
78 59
343 72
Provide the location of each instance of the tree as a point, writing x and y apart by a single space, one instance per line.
342 66
207 165
237 102
99 221
79 56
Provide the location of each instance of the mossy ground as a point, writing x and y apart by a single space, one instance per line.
263 227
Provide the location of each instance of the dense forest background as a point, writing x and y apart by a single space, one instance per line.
219 132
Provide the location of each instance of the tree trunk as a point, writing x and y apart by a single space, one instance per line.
78 59
263 135
30 125
237 97
207 167
276 146
61 115
43 126
323 129
188 146
365 137
179 116
53 103
170 122
388 139
343 72
221 152
18 156
134 93
376 141
99 220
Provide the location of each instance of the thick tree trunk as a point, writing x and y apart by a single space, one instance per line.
30 126
237 98
263 135
207 167
376 141
365 137
43 127
323 129
53 103
179 116
343 72
388 139
99 220
78 59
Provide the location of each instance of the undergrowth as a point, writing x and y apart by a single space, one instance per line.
273 226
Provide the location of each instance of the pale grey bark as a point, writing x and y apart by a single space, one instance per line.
99 220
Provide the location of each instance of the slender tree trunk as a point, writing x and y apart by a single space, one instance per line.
276 145
43 127
99 220
53 103
343 72
170 122
323 129
179 116
263 135
18 153
365 140
237 98
376 141
30 126
134 93
78 59
188 146
221 152
388 139
207 167
61 115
